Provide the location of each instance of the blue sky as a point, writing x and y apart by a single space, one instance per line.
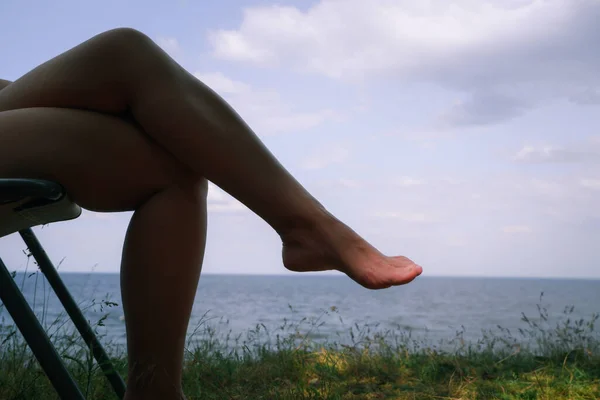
462 134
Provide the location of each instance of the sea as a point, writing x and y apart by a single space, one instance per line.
239 309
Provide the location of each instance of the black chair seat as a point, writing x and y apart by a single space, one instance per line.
25 203
12 190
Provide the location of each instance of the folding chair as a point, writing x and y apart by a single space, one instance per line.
25 203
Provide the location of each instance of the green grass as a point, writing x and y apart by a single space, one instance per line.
543 360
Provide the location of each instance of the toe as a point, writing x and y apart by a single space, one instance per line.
418 269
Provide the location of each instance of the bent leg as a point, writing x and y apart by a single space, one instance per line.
107 164
123 70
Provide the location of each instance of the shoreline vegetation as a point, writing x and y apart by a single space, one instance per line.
545 359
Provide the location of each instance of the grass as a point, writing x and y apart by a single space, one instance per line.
543 360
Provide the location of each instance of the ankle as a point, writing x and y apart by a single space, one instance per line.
316 220
315 226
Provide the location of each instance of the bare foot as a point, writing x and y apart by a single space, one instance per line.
331 245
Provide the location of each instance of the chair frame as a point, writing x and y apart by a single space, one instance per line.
18 307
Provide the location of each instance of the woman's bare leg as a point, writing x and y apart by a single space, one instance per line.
107 164
123 70
161 265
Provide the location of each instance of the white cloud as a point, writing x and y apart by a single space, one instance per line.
549 188
451 181
349 183
587 96
505 57
170 45
482 108
528 151
221 84
590 183
552 154
265 111
353 37
404 216
457 241
476 203
326 156
340 183
221 202
516 229
408 181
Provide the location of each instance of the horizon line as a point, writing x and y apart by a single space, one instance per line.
344 276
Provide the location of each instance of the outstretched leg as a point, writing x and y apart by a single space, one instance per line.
123 71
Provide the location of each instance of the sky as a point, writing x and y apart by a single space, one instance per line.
463 134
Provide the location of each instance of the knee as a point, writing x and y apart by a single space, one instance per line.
195 188
126 37
130 47
139 59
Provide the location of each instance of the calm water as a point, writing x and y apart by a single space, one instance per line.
432 308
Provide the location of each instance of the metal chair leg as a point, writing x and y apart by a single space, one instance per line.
73 311
36 337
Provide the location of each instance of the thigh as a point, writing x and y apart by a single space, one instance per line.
106 163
